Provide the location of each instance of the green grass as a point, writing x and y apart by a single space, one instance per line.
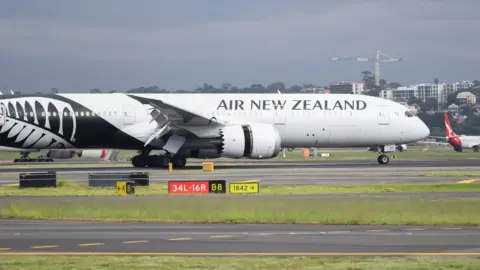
254 209
412 153
233 263
66 188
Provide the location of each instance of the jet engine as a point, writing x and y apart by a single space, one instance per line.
92 154
60 154
256 141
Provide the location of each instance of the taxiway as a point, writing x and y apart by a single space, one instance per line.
57 236
249 164
279 173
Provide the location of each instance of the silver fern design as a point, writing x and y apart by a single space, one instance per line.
38 123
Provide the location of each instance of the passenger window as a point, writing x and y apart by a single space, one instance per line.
409 114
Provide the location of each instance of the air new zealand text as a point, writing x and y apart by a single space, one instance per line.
296 105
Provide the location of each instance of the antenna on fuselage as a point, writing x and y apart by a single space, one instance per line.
278 91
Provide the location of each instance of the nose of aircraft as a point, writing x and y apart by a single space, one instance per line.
421 129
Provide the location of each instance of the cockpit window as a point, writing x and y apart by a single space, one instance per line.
409 114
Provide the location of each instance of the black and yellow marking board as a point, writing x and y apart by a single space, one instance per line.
125 188
244 188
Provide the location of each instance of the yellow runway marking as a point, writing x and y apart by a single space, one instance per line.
377 230
249 181
36 247
3 249
236 254
221 236
91 244
179 239
468 181
11 185
135 242
414 229
335 232
450 228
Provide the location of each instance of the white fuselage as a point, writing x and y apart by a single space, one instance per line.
357 120
469 141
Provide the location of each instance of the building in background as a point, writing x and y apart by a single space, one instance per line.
316 90
466 98
355 88
424 91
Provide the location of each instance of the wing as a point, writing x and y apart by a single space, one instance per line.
163 112
172 118
437 137
432 143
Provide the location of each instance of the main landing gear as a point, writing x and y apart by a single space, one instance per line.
25 158
158 161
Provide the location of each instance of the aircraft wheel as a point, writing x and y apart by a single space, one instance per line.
140 161
161 161
178 162
383 159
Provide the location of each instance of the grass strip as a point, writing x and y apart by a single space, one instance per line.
266 263
336 210
66 188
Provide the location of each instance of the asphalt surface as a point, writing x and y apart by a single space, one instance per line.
18 236
251 164
83 238
279 173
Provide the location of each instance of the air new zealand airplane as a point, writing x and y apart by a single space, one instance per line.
255 126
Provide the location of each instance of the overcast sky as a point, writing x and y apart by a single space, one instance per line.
120 44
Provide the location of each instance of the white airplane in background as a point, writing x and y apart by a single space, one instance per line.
457 142
255 126
53 154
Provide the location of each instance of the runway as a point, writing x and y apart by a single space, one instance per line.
280 173
55 236
19 237
283 176
249 164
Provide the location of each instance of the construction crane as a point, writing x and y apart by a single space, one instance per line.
377 61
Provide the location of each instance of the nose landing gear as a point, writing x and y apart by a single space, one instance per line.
383 159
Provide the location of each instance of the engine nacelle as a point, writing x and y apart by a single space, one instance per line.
60 154
93 154
256 141
204 153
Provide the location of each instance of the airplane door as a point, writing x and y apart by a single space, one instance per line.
128 115
383 115
3 114
279 118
